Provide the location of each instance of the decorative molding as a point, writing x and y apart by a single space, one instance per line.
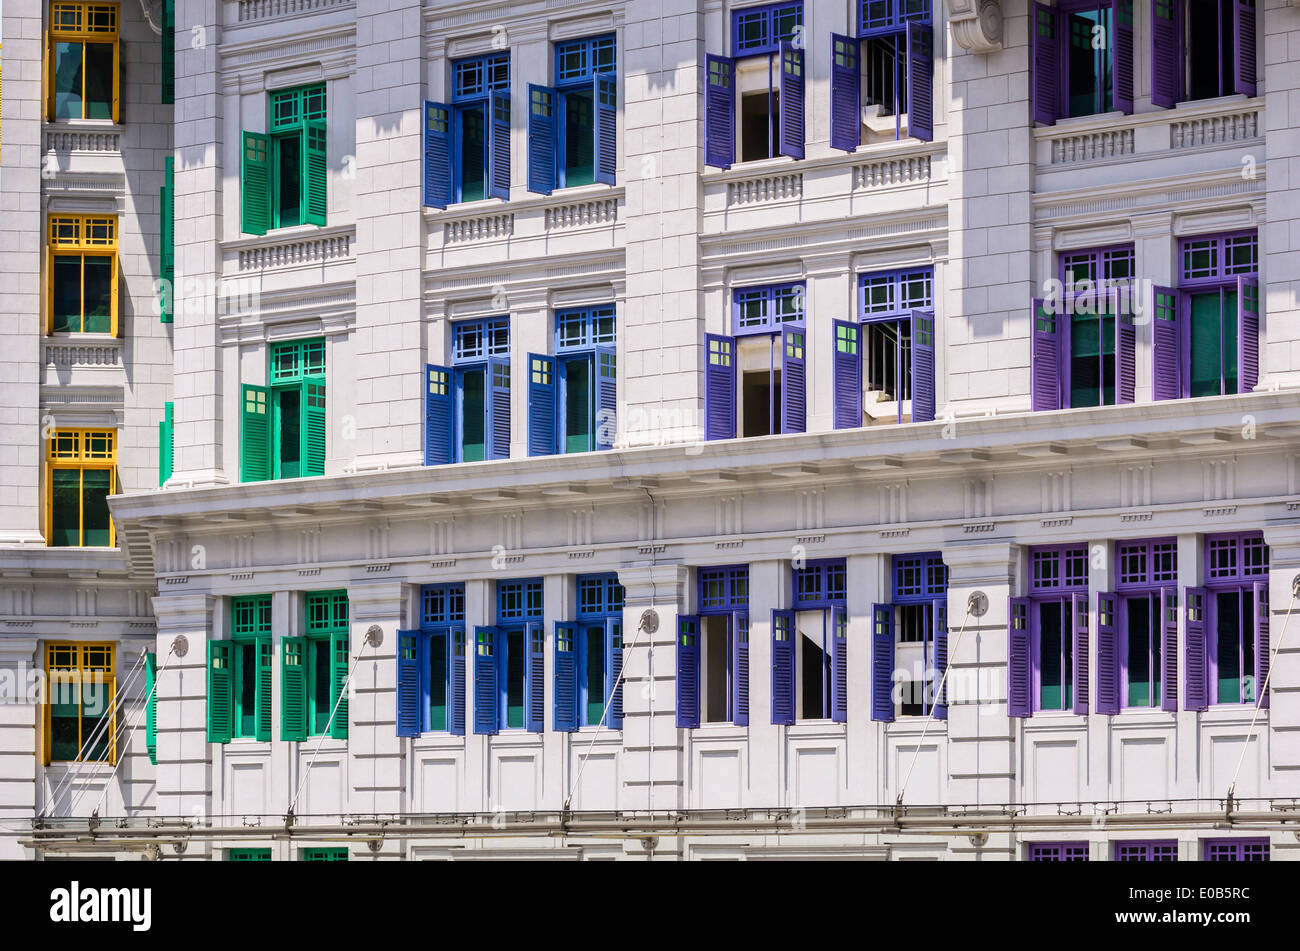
107 354
1091 146
1219 511
809 539
979 528
976 24
895 532
251 11
908 170
1214 130
81 140
784 186
305 251
581 214
481 228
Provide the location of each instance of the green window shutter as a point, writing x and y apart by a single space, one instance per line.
313 426
255 184
166 445
316 173
168 93
221 697
265 654
255 434
167 240
338 684
293 688
248 855
151 715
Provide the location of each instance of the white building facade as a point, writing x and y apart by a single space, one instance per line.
599 428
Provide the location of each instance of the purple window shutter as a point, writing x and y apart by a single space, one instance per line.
839 664
846 369
1079 610
408 683
542 173
535 638
1169 650
1045 359
740 667
794 414
719 387
846 80
783 635
688 671
1108 678
882 663
1166 53
1196 690
499 145
1019 673
606 134
1243 53
720 111
565 707
1122 90
456 695
1125 357
920 81
1047 64
1261 644
923 366
791 105
1167 371
1247 334
940 657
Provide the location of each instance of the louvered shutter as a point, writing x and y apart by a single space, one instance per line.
1108 672
606 134
313 426
740 667
487 718
566 678
1124 61
882 663
847 373
221 698
1169 650
720 112
499 145
720 387
543 175
408 683
264 649
1079 612
543 415
1046 64
1243 51
316 176
339 669
614 640
293 688
255 434
1247 334
940 614
783 646
437 155
167 94
255 184
1166 352
794 414
1166 53
1045 359
167 241
923 402
791 103
439 409
1125 357
846 80
1019 673
456 669
151 704
606 371
1196 690
839 664
535 712
1262 656
920 81
688 671
497 406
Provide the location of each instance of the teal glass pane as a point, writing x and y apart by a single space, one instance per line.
1051 686
99 294
1228 643
96 522
438 682
579 138
1230 341
288 180
67 80
289 439
1207 343
65 742
472 415
1139 659
99 80
515 679
65 514
1089 72
577 405
595 674
320 685
473 153
67 293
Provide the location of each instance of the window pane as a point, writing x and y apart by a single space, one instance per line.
67 80
473 154
1228 636
1206 344
289 401
472 419
246 696
515 679
1139 662
595 674
320 684
438 682
99 80
99 294
67 293
96 485
579 138
288 185
65 527
1050 656
96 705
577 405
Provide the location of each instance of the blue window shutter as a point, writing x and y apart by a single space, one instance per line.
1166 53
439 412
499 145
1166 350
437 155
1169 650
923 366
688 671
487 718
882 663
1247 334
794 413
920 81
543 416
846 368
846 81
614 643
535 713
791 104
1261 644
542 155
606 370
497 407
1079 611
1197 688
1108 672
1125 357
408 683
783 635
720 111
1244 47
719 387
606 97
1125 62
566 678
839 665
1046 30
740 667
940 641
1045 359
1019 672
456 692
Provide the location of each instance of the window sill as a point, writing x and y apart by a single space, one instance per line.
88 125
1213 102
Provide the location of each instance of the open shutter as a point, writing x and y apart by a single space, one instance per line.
264 648
794 413
940 658
339 651
791 100
1079 611
1047 69
117 80
1167 369
408 683
1125 357
535 713
47 70
498 408
839 664
456 695
166 445
846 369
740 667
438 415
1019 674
168 92
1166 53
783 634
1045 359
313 426
1243 53
688 671
720 112
317 172
255 184
566 678
614 638
487 719
606 397
221 697
499 145
606 96
542 174
1261 644
437 155
1169 650
920 81
167 240
882 663
543 417
1124 62
151 707
1196 691
922 366
1247 334
293 688
720 387
846 80
1108 678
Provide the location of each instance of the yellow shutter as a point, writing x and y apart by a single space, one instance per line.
48 80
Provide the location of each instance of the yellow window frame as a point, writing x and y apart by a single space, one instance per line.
82 21
80 449
81 236
73 662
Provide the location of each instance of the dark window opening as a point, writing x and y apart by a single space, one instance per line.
472 418
815 665
473 152
884 68
889 359
1092 360
320 685
595 670
579 138
1089 61
246 696
438 682
912 701
515 679
760 125
1211 49
289 421
288 180
913 623
1213 336
761 398
578 412
716 654
1055 650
